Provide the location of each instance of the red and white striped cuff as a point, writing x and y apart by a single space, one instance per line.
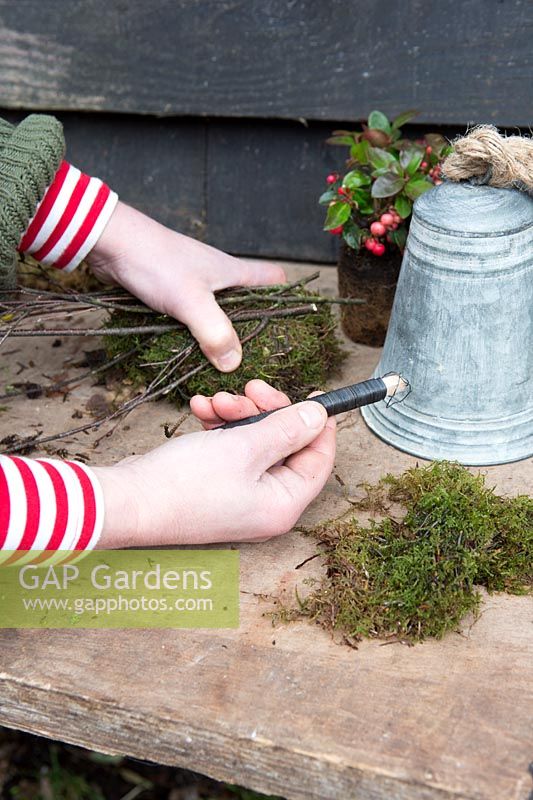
49 505
69 220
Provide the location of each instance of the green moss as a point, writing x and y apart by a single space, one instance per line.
296 354
416 575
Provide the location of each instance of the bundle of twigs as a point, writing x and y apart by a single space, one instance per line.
29 312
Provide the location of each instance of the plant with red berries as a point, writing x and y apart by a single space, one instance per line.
370 205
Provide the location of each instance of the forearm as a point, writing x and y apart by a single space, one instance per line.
120 525
69 220
48 504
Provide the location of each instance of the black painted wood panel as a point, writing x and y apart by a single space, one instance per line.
457 62
263 183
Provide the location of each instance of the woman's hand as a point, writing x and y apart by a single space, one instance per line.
225 407
242 484
178 276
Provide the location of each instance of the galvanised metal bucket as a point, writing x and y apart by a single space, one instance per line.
461 329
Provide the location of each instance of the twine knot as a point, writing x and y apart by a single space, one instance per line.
484 156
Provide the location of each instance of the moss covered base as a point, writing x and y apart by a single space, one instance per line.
295 354
415 575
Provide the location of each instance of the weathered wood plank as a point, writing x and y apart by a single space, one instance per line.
457 63
283 709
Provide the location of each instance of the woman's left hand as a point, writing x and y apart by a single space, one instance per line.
178 275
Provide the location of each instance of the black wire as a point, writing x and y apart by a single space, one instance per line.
335 402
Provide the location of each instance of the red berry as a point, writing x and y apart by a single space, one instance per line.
429 149
387 220
377 228
394 226
331 178
336 231
378 249
370 244
424 164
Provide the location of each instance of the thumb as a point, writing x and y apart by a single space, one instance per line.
213 330
285 432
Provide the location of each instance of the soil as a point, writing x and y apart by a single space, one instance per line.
364 275
32 768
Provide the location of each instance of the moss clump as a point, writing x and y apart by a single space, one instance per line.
415 577
296 354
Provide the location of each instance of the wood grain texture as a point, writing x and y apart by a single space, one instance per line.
283 709
457 63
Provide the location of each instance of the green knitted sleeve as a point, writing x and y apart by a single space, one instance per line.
30 155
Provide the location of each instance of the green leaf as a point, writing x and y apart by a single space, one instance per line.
327 197
399 237
437 142
417 186
387 185
352 234
401 119
352 240
337 215
414 164
349 140
355 179
379 121
403 206
359 151
410 159
362 198
396 167
380 159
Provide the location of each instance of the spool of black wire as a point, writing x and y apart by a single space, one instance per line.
346 398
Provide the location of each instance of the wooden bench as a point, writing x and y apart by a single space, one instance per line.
283 709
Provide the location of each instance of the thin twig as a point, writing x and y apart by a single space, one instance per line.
31 442
239 316
55 387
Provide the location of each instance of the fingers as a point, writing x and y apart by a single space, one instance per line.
265 396
202 408
259 396
299 480
213 330
261 273
240 272
226 407
233 406
223 407
315 462
284 433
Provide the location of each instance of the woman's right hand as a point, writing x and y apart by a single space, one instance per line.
242 484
